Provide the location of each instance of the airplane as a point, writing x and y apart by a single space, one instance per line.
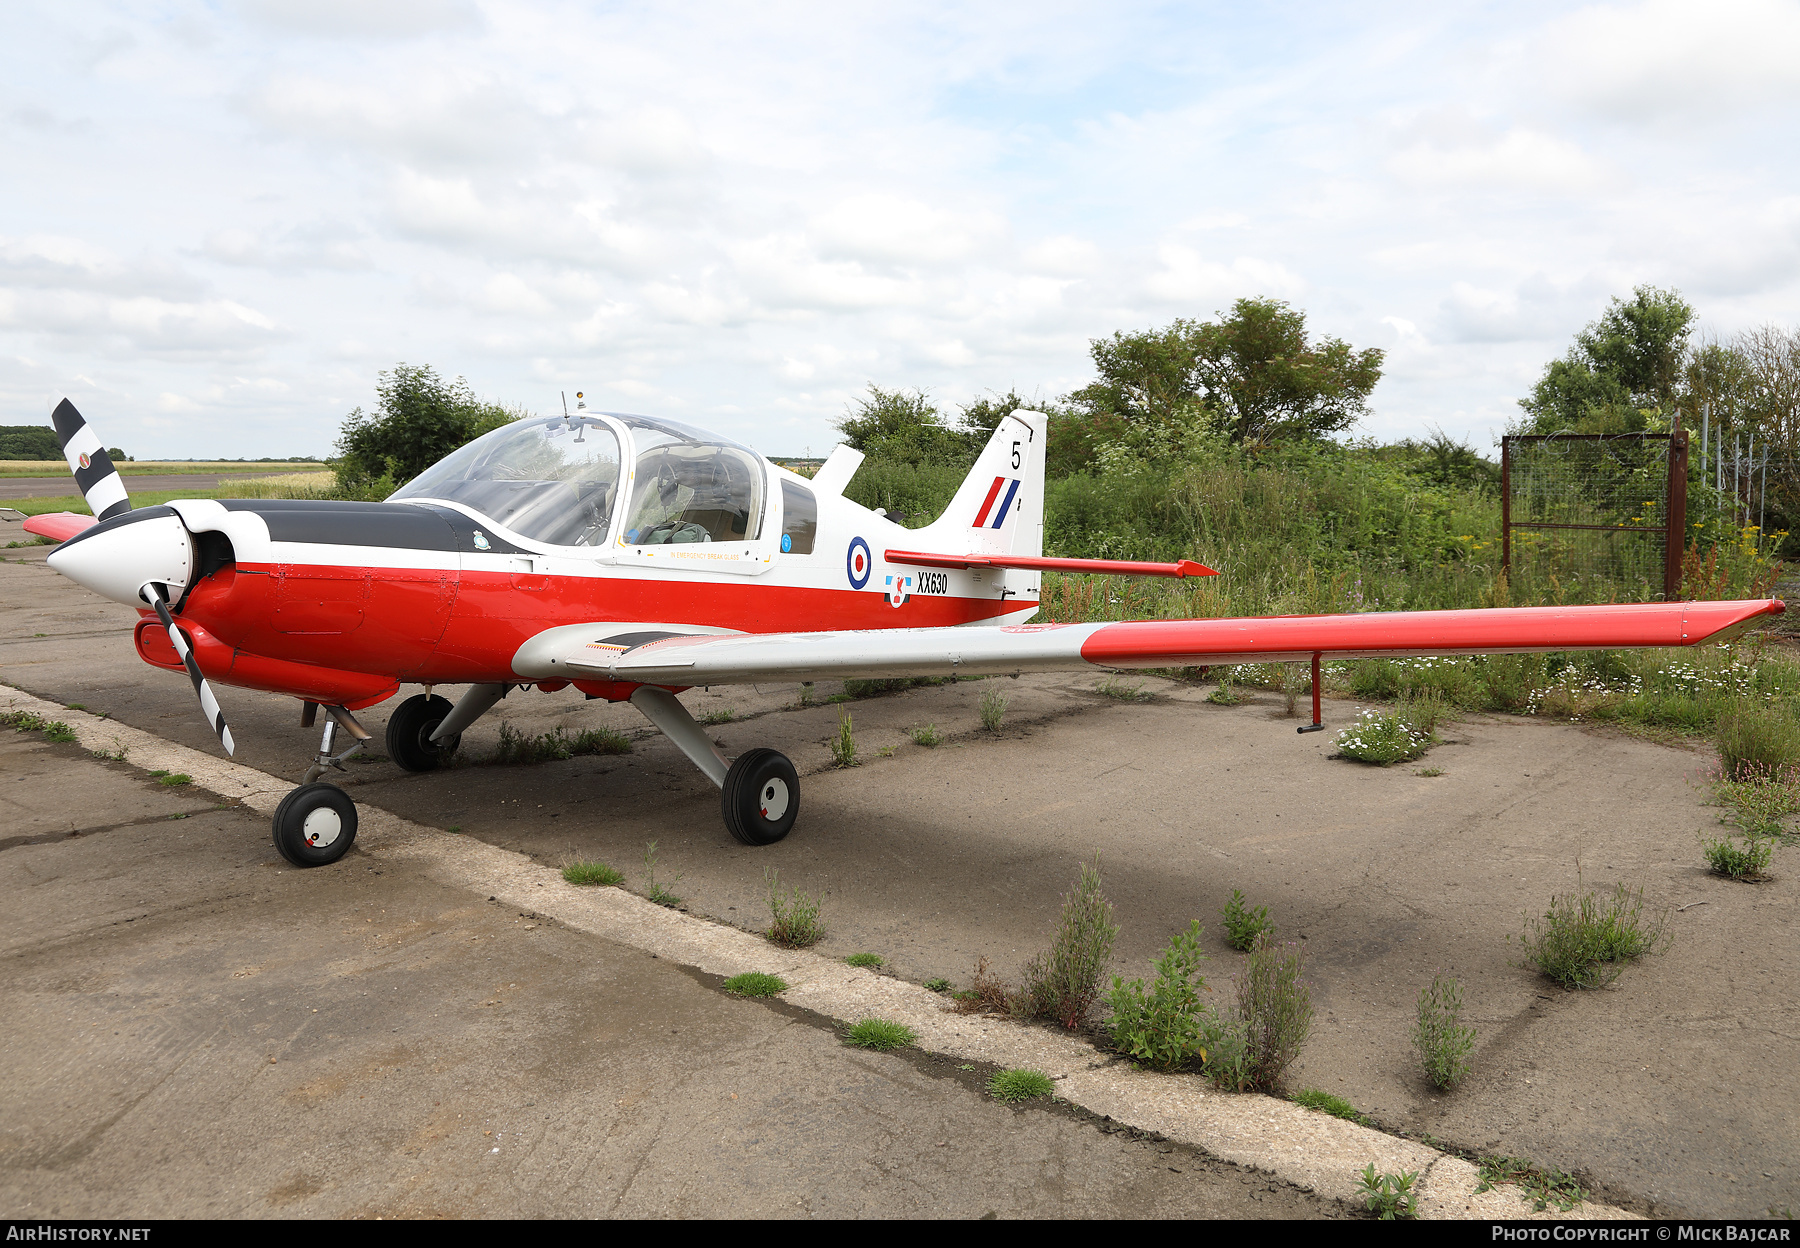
635 557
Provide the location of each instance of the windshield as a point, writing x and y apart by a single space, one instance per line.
551 480
691 487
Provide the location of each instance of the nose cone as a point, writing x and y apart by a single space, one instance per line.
117 558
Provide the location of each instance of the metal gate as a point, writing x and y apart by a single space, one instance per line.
1610 506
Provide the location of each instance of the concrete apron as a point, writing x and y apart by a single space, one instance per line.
1304 1147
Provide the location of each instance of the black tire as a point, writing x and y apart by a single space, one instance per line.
760 781
409 732
315 825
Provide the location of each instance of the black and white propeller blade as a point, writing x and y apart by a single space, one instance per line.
209 705
88 460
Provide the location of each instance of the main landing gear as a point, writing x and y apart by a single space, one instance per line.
759 795
316 824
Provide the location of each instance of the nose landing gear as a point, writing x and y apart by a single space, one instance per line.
315 825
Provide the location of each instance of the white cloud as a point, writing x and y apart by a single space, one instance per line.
1187 277
360 18
1673 58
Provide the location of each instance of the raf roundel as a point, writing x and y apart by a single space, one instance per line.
858 563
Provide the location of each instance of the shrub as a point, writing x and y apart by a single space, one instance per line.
1295 680
1161 1026
1583 941
870 961
1020 1085
1389 1196
1748 863
1441 1041
755 984
872 688
592 873
928 736
1423 709
1761 801
1758 741
1382 739
795 915
1243 926
1064 982
1225 694
993 708
987 994
880 1034
1276 1008
843 746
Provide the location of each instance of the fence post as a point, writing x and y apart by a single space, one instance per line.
1506 510
1675 516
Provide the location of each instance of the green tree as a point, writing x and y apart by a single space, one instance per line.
902 426
419 418
1623 366
1256 370
29 442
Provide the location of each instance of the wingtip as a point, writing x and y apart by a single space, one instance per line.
1188 567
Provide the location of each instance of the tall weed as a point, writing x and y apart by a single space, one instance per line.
1276 1008
1063 982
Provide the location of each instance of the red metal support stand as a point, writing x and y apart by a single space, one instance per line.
1318 721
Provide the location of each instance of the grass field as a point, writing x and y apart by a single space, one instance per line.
147 468
313 484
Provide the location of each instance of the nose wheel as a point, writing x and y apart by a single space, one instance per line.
760 797
315 825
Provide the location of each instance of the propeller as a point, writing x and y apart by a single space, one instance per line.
209 705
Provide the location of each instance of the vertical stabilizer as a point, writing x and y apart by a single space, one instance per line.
999 509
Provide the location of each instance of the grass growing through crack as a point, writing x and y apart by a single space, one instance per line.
1020 1085
843 746
1326 1103
1584 940
653 890
795 922
870 961
993 709
718 717
1123 691
928 736
755 984
517 748
880 1034
937 985
1541 1187
590 873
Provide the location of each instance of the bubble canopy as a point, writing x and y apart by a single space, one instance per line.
557 480
553 480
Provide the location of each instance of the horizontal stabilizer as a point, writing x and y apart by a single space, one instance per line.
745 658
1038 563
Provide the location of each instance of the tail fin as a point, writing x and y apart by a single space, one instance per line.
93 467
999 509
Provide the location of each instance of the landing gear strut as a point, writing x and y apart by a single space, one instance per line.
316 824
759 795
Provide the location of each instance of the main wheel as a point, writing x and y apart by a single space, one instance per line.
315 825
409 732
760 798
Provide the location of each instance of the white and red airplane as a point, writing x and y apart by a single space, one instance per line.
634 558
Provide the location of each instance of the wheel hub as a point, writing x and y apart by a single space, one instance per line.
322 827
773 800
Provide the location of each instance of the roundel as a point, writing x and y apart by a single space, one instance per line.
85 462
858 563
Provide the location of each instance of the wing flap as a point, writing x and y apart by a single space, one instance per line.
745 658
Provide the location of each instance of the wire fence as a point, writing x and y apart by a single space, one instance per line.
1602 516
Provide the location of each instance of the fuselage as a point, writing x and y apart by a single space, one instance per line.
665 529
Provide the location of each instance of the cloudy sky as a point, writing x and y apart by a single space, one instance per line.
219 221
